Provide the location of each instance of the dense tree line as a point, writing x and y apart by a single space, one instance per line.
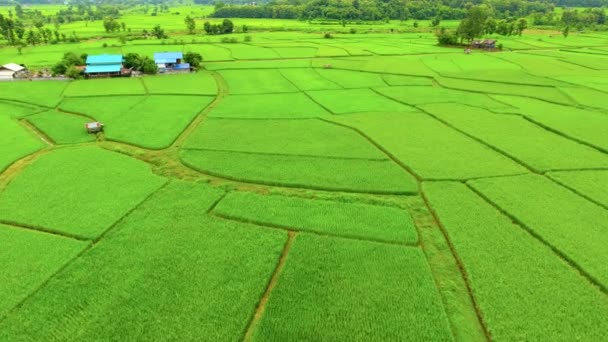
379 9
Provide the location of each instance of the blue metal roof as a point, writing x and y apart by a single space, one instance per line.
104 59
167 57
102 68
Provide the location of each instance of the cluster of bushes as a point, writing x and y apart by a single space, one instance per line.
226 27
68 65
140 63
479 21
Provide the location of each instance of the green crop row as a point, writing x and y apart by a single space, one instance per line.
148 121
591 183
78 191
582 124
46 93
293 137
165 272
525 141
267 106
28 258
452 156
334 289
574 226
523 290
326 217
15 142
62 128
307 172
356 101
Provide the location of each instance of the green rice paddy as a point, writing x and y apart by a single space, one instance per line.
368 187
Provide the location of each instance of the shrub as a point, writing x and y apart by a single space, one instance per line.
247 38
75 73
353 30
328 35
446 37
193 58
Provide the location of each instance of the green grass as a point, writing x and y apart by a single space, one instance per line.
352 79
523 289
279 64
590 183
534 146
351 175
398 80
163 261
417 95
63 128
570 223
453 156
309 79
244 51
189 84
335 290
356 220
583 124
17 109
16 142
106 86
79 191
267 106
550 94
46 93
148 121
283 137
28 258
252 81
356 101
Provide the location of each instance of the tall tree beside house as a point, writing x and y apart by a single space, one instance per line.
190 24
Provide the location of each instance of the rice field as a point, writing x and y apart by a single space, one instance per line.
369 187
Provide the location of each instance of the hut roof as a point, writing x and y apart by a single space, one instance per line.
167 57
12 67
102 68
104 59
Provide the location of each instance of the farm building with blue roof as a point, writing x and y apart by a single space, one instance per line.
104 66
170 61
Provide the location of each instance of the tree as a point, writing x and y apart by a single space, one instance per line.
207 27
190 24
436 21
445 37
148 66
473 25
227 26
490 26
566 31
32 37
193 58
522 24
110 24
74 73
132 60
158 32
